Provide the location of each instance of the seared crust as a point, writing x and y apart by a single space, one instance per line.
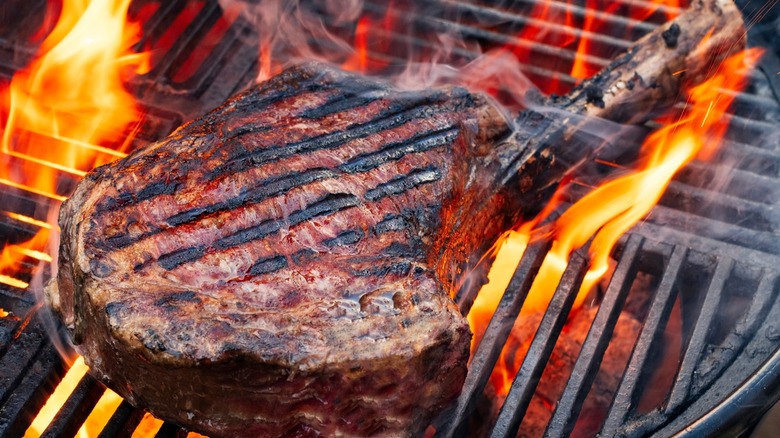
272 268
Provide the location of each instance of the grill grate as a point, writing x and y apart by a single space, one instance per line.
706 364
711 246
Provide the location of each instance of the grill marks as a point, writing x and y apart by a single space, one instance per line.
437 128
397 113
192 155
328 205
413 124
278 185
268 265
273 186
403 183
394 151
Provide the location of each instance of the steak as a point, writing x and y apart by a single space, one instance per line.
283 266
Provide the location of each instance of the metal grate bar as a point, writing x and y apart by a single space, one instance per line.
16 45
739 211
758 130
493 15
162 19
698 340
769 242
703 212
499 38
38 382
123 422
170 430
494 338
757 372
23 12
209 15
410 41
567 7
765 294
707 245
584 371
76 409
12 365
750 158
526 380
754 106
742 184
207 72
533 71
651 335
644 4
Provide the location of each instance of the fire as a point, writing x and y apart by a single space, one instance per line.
359 59
69 111
97 419
66 107
610 210
373 32
66 113
575 27
57 398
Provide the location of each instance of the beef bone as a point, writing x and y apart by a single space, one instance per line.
647 79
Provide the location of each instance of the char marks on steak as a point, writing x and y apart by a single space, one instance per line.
282 265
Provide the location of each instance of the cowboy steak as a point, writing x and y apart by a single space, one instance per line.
284 265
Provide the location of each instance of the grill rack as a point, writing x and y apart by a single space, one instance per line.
741 249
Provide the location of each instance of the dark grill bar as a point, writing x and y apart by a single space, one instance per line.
712 245
524 385
649 338
567 410
495 336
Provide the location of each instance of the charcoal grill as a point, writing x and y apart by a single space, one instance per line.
712 250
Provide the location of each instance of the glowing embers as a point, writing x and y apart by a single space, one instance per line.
561 42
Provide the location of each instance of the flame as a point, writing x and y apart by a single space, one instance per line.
610 210
371 31
57 399
359 59
572 26
66 113
97 419
66 107
67 110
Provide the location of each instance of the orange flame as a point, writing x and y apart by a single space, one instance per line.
570 26
65 109
613 208
66 113
371 32
359 59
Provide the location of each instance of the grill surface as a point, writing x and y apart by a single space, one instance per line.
711 248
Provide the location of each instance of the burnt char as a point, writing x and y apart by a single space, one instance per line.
284 263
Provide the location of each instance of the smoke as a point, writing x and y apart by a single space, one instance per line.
288 30
387 41
45 313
